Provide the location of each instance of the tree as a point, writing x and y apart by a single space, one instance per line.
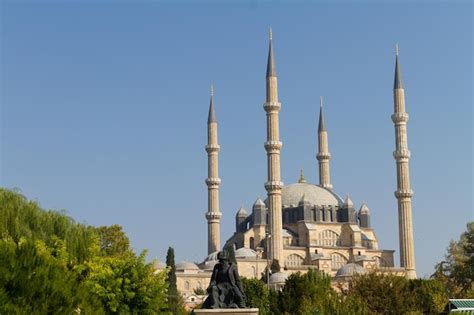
456 272
33 281
125 284
175 300
113 240
306 294
258 295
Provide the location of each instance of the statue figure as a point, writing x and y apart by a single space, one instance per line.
225 289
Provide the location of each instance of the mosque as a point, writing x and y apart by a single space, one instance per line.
303 225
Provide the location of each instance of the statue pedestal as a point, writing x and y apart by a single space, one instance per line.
226 311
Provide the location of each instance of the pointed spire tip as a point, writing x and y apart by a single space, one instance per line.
270 33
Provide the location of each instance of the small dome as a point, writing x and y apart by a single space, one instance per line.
278 277
349 270
313 195
245 253
212 256
258 203
186 265
242 212
364 209
158 265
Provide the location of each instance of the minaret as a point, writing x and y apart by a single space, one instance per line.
403 192
323 155
213 181
273 146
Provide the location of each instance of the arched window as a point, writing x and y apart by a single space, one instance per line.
186 285
337 261
328 238
252 243
294 260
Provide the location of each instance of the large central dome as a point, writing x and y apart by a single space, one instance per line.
313 194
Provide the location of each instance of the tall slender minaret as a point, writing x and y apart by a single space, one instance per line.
273 147
403 192
323 155
213 181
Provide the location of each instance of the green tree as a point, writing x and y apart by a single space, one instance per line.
257 294
113 240
34 281
125 284
382 293
175 300
309 293
456 272
427 296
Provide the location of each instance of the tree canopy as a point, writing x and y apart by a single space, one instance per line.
51 264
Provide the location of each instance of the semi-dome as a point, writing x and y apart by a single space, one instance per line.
186 265
317 196
349 270
278 277
245 253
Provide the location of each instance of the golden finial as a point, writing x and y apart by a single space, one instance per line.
212 90
301 180
270 33
397 50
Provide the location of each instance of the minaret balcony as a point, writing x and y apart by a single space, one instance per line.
272 106
213 216
323 156
212 148
213 182
400 155
403 193
400 118
273 146
272 186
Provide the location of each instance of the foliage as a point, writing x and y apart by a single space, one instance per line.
306 294
113 240
175 300
389 294
125 284
34 281
51 264
199 291
456 272
257 295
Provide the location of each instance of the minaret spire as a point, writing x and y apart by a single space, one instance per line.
323 155
273 146
403 192
213 181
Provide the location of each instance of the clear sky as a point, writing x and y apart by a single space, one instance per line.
104 109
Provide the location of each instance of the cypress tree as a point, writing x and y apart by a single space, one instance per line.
171 280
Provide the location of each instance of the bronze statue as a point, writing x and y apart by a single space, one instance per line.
225 289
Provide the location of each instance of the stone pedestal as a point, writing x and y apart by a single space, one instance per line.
226 311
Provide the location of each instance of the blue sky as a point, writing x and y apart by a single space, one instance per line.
104 108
